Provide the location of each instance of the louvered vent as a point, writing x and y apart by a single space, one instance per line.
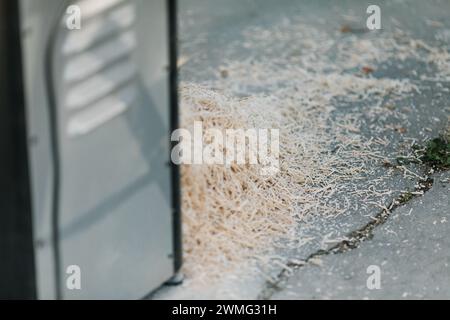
98 69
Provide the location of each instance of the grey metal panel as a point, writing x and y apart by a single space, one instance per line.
36 20
111 86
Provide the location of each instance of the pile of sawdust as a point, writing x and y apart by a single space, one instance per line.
233 214
236 215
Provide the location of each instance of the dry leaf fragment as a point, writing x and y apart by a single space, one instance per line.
367 70
345 29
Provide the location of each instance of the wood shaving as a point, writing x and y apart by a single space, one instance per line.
234 216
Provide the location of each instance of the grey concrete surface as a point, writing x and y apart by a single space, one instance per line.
412 250
211 35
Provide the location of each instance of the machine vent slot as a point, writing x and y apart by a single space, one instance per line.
99 70
95 31
100 113
92 9
100 85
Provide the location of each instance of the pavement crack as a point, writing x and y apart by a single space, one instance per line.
352 240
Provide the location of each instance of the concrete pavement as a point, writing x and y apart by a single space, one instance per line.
411 249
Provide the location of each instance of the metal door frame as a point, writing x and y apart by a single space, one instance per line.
17 265
17 247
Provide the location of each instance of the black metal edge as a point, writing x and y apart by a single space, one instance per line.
53 121
17 261
174 124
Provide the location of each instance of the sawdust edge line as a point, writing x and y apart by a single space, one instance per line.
352 241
